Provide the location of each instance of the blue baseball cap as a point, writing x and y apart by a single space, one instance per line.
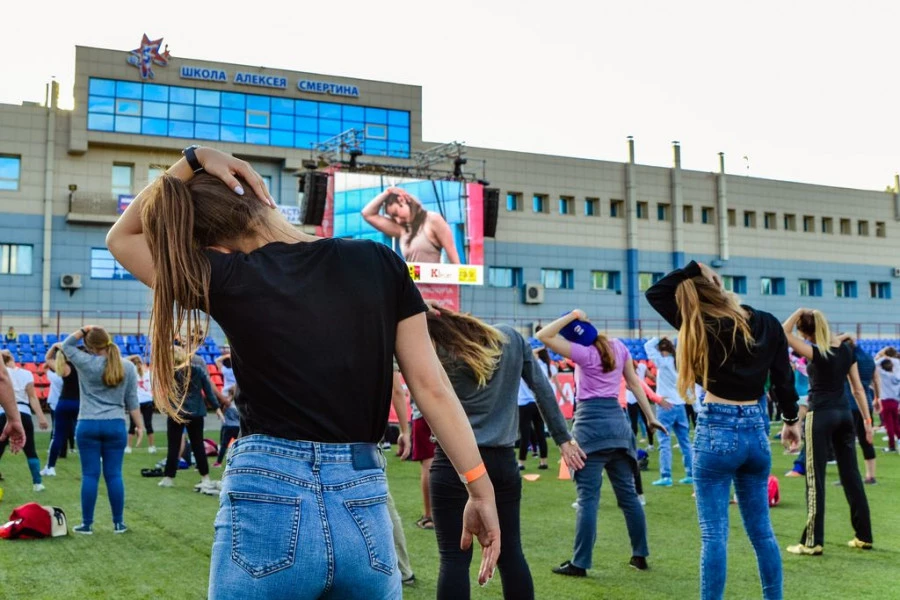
580 332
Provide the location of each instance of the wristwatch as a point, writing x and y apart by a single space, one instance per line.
190 155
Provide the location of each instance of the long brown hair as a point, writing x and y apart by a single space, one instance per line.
706 310
814 325
180 220
607 356
138 363
97 340
463 337
417 212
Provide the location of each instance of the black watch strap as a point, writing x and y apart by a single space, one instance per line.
190 155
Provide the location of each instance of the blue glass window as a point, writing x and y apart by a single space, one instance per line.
399 118
305 140
398 149
102 87
398 134
232 100
10 171
376 147
156 93
181 129
232 133
206 114
128 125
233 117
206 131
258 136
305 108
359 125
127 89
181 112
257 118
376 132
376 115
101 104
285 122
128 107
282 138
159 110
258 103
100 122
207 98
327 110
104 266
283 106
181 95
306 124
154 126
354 113
329 128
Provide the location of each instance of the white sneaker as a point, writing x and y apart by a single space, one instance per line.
650 448
127 449
38 487
48 472
166 482
885 439
152 449
642 500
575 505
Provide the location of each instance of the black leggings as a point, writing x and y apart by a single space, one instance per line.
147 414
868 449
194 428
448 500
634 410
531 425
228 433
28 425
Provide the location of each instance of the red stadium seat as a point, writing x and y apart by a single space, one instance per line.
33 367
216 379
213 369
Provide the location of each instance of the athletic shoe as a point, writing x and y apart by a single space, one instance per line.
127 449
567 568
38 487
119 528
793 473
521 467
217 464
151 450
411 580
832 462
543 467
166 482
639 563
664 482
857 543
575 505
642 500
804 550
885 439
894 450
686 481
650 448
386 446
210 488
83 529
869 481
48 471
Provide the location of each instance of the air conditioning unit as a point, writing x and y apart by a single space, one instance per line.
534 293
70 281
896 271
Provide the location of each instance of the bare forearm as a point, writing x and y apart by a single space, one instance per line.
374 205
862 403
555 327
399 403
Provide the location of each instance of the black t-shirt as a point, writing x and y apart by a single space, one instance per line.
70 389
312 328
827 376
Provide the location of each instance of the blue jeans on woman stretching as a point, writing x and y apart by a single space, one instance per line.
102 442
64 418
732 444
303 520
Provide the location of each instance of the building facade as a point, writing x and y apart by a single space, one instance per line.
586 233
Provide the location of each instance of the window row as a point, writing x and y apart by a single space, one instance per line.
123 179
18 259
10 172
159 110
565 205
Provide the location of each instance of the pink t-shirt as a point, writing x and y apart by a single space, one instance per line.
590 379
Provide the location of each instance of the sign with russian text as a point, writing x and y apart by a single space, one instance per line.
446 273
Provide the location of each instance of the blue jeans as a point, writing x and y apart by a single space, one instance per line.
303 520
101 443
732 444
676 422
618 465
64 418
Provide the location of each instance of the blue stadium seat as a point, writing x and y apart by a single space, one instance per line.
37 339
24 338
52 338
130 339
27 357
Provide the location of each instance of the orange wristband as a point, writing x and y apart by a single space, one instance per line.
473 474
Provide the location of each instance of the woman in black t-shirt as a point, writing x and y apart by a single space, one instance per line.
303 505
829 421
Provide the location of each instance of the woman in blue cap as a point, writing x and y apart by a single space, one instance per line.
603 432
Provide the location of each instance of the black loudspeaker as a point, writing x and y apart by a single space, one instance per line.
491 210
314 187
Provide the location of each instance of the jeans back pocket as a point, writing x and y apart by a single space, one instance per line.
264 531
374 523
719 439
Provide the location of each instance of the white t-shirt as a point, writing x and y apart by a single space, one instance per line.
144 388
56 383
228 380
890 382
20 380
641 373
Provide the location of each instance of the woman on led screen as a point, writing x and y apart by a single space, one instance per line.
423 234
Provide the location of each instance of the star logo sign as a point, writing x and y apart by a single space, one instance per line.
147 55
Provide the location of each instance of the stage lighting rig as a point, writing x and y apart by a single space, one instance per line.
332 150
451 151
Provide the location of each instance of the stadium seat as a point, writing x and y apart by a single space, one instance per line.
212 369
52 338
31 366
24 338
37 338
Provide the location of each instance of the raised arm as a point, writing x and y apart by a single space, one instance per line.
126 240
661 294
371 213
797 343
70 348
435 397
550 337
651 348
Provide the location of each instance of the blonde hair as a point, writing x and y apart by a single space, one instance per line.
138 363
60 362
814 325
703 306
96 340
463 337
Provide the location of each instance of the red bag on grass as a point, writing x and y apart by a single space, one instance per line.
774 492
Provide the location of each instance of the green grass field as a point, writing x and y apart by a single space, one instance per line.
165 554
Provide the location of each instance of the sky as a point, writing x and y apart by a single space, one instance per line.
798 90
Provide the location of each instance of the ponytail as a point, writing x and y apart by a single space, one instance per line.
822 333
60 363
607 357
96 340
180 285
